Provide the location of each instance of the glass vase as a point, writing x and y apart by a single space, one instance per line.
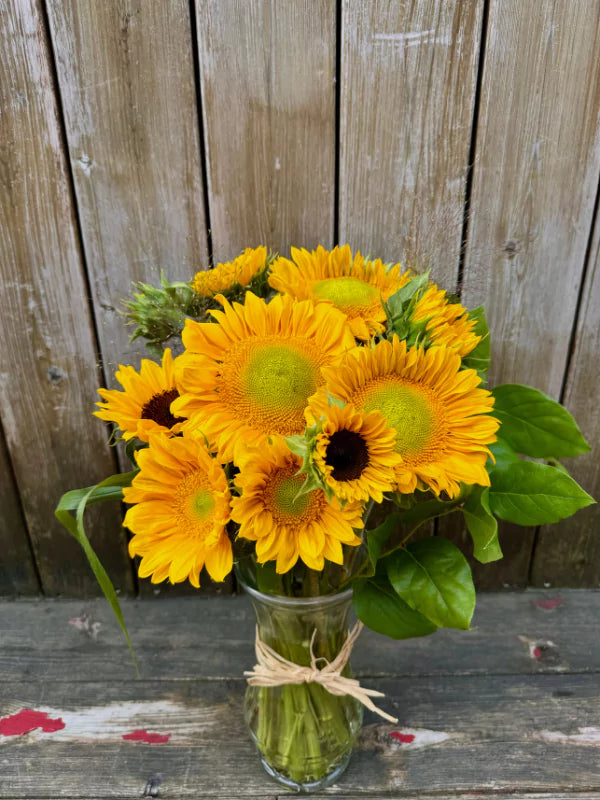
304 734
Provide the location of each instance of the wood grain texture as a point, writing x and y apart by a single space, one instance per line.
126 76
17 570
517 733
407 94
211 638
48 363
569 553
487 741
534 183
268 92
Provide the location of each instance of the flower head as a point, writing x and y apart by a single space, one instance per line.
248 377
180 509
355 453
353 285
224 276
285 524
446 323
144 407
439 412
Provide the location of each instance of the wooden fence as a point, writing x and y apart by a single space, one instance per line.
144 136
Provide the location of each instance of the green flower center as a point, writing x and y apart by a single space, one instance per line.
284 496
279 377
410 411
202 504
346 293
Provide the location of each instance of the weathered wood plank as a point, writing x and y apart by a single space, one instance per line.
126 76
48 362
569 553
534 183
524 733
268 98
513 633
17 569
407 96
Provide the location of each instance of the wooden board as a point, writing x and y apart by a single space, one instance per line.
126 76
569 553
48 361
407 94
268 97
534 183
17 569
527 734
81 640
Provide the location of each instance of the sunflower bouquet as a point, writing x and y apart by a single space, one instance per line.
320 413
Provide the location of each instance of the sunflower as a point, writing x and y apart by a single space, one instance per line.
439 412
286 526
224 276
249 377
181 498
447 323
353 285
144 406
355 453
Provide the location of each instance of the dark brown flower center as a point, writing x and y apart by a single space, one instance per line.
158 408
347 454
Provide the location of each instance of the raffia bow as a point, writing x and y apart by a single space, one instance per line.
273 669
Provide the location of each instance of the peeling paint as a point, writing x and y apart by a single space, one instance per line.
116 721
146 737
587 737
553 602
417 738
28 720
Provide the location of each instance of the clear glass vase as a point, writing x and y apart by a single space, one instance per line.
304 734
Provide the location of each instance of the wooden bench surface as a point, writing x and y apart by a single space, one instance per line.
511 707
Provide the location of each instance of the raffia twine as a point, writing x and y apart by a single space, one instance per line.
272 669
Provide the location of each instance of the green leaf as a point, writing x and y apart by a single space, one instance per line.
433 577
535 424
479 358
504 455
379 607
77 500
399 299
482 525
529 493
377 538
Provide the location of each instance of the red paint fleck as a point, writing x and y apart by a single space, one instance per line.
553 602
536 652
405 738
149 738
28 720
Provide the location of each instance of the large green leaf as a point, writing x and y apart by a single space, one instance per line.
504 455
379 607
479 358
535 424
482 525
529 493
433 577
77 500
